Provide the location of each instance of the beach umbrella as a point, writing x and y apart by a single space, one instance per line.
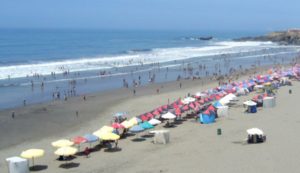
156 112
66 151
62 143
136 129
91 138
79 140
106 129
191 105
149 115
217 104
185 108
154 121
177 112
127 124
168 115
146 125
109 136
117 126
211 108
32 153
144 118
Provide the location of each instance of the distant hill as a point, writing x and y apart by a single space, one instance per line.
291 36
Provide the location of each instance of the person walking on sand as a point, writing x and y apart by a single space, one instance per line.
77 114
157 90
134 91
180 85
13 115
116 143
87 152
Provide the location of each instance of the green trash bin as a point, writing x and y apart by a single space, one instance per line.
219 131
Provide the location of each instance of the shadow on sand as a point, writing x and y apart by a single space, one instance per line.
138 139
113 150
38 168
69 165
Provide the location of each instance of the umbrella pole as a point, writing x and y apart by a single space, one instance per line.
32 161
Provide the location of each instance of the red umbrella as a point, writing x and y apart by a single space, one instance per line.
211 108
160 109
191 105
149 115
175 105
218 97
117 126
201 101
79 140
144 118
178 112
207 112
179 102
165 107
185 108
156 112
197 104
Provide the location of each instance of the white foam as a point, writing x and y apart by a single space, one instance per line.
106 62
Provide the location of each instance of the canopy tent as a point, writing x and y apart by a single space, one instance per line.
188 100
168 115
154 121
207 117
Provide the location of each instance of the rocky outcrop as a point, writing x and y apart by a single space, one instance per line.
291 36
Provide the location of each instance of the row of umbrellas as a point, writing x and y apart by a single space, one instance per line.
147 121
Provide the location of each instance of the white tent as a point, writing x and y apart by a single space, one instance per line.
188 100
199 94
154 121
255 131
168 115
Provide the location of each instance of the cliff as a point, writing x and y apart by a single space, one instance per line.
291 36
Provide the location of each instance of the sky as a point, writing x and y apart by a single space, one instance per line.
263 15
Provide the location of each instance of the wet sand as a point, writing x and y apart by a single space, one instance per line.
193 148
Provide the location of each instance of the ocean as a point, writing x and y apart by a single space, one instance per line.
38 64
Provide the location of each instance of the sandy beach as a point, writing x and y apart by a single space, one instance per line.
193 147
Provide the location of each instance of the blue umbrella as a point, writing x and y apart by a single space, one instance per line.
147 125
136 129
217 104
91 138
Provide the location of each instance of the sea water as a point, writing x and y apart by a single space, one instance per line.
36 64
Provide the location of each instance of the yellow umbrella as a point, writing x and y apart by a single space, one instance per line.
109 136
99 133
106 135
62 143
107 129
66 151
127 124
32 153
133 121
